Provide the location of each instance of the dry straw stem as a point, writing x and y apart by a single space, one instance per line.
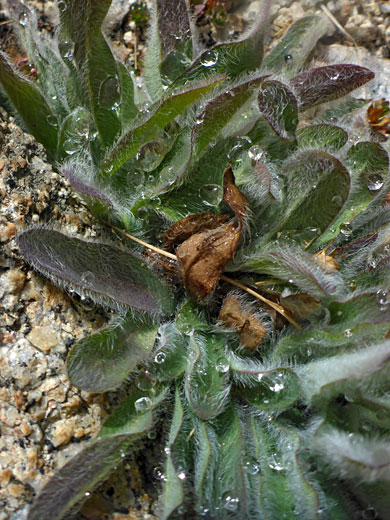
278 308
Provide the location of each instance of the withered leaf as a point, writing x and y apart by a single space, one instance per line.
186 227
234 316
203 257
233 196
302 306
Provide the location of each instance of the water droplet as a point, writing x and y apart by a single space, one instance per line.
87 278
167 451
61 6
209 58
383 297
251 466
222 366
255 153
159 474
145 381
230 502
375 182
122 453
277 383
242 144
109 93
160 357
287 58
51 120
211 194
182 475
337 200
66 49
23 19
275 463
346 229
369 514
152 435
107 165
71 146
348 333
87 494
203 511
143 404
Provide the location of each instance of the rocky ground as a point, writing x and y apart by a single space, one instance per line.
44 420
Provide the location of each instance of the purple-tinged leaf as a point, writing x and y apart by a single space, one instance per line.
103 360
107 274
30 104
81 186
323 84
87 469
279 107
173 22
78 477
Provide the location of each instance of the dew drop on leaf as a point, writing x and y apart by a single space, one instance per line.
251 466
145 381
66 49
159 474
23 19
348 333
160 357
109 93
255 153
369 514
375 182
71 146
287 58
88 278
211 194
383 297
143 404
61 6
230 502
209 58
222 367
346 229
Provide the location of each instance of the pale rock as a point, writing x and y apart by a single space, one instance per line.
44 338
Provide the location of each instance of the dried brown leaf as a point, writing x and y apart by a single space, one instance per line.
234 316
302 306
233 196
186 227
203 257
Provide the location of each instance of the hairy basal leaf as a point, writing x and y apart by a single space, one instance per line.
31 105
161 114
106 273
103 360
323 84
279 106
328 138
291 52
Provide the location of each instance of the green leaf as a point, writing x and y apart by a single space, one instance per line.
82 27
274 389
153 56
173 494
219 111
231 58
279 107
162 114
135 415
79 476
75 132
328 138
290 54
205 462
317 186
324 379
323 84
127 108
30 104
170 356
106 273
190 318
206 387
103 360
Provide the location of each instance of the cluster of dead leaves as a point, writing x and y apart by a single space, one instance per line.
379 117
235 316
206 242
